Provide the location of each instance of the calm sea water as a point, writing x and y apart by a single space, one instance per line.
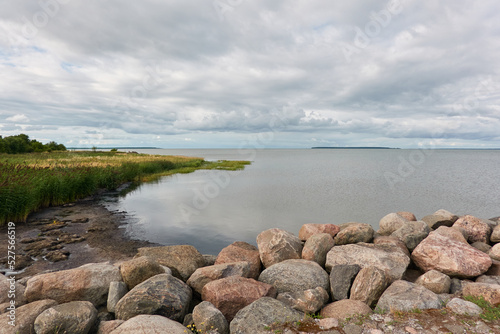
287 188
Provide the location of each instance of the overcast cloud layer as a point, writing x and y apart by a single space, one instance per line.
231 73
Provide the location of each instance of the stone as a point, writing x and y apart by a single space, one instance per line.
183 260
10 284
150 324
369 285
494 252
233 293
328 323
495 235
477 229
106 327
485 248
307 301
73 317
277 245
25 317
241 251
316 248
89 282
407 215
308 230
494 269
341 278
488 279
386 257
162 294
463 307
390 223
208 318
352 233
388 239
456 286
138 270
450 257
295 275
412 233
57 255
454 233
435 221
205 275
254 318
405 296
435 281
116 292
490 292
446 214
210 259
345 309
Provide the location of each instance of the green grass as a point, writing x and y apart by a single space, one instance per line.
32 181
490 312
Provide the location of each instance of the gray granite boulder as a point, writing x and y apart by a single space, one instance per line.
344 309
352 233
390 223
116 291
205 275
369 285
405 296
276 245
435 221
138 270
241 251
463 307
435 281
476 228
150 324
341 278
412 233
316 248
208 318
72 317
307 301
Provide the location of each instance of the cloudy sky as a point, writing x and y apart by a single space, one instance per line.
235 73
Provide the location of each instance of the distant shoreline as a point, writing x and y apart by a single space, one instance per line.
356 148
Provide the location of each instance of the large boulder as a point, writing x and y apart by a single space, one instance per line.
435 281
150 324
138 270
490 292
25 317
295 275
435 221
308 230
488 279
316 248
405 296
183 260
476 228
307 301
494 252
72 317
233 293
89 282
352 233
391 240
495 235
369 285
407 215
276 245
455 233
390 223
341 278
345 309
463 307
412 233
207 318
389 258
205 275
162 294
116 292
450 257
241 251
256 317
446 214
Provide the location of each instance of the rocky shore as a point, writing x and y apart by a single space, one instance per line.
410 276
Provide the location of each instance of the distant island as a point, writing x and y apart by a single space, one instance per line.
356 148
118 148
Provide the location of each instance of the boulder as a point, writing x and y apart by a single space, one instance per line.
89 282
435 221
485 248
494 269
138 270
7 285
73 317
412 233
341 278
495 235
116 292
183 260
106 327
454 233
388 239
208 318
241 251
488 279
254 318
407 215
295 275
25 317
476 228
316 248
210 259
435 281
162 294
450 257
490 292
405 296
345 309
386 257
446 214
205 275
150 324
494 252
463 307
352 233
277 245
390 223
308 230
233 293
369 285
307 301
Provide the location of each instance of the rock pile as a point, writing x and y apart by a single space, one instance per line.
337 271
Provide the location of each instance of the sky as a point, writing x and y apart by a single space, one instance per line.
241 73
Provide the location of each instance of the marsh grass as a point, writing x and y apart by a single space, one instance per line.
32 181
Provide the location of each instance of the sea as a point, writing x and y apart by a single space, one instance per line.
286 188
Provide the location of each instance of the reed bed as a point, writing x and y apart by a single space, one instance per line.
32 181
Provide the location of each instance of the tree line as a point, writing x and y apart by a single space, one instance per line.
23 144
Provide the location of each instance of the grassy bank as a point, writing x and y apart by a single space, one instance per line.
32 181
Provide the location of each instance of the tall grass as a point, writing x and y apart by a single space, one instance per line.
32 181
